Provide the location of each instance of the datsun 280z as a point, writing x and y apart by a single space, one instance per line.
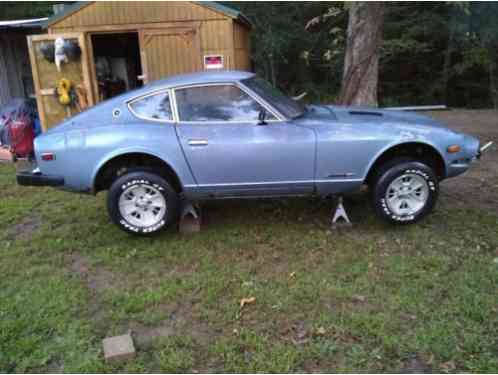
217 135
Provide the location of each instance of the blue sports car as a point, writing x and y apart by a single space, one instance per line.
217 135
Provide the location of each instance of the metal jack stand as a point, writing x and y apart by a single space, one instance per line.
190 218
340 219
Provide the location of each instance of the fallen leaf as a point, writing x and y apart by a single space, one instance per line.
247 301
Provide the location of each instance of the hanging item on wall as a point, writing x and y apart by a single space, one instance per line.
64 90
62 51
60 54
47 50
72 50
213 62
82 102
70 95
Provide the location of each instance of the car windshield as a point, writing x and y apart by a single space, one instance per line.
288 107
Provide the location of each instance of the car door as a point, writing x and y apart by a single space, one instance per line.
230 153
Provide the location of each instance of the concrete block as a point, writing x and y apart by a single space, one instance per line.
118 348
5 155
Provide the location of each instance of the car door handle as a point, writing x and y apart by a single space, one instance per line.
197 142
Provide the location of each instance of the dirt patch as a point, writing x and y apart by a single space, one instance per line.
25 229
477 188
415 365
97 278
179 320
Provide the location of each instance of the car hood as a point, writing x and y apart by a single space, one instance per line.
357 116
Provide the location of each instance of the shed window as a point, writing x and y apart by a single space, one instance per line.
217 103
155 107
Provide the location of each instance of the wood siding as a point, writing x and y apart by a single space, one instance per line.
180 47
242 47
217 33
215 40
158 59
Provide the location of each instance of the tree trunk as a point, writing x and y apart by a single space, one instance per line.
447 63
272 70
361 63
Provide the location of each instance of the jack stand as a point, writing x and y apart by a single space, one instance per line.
190 218
340 219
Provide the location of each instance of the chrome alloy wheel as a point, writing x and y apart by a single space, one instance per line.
142 205
407 194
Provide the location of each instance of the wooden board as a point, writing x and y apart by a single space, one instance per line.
46 76
242 47
169 51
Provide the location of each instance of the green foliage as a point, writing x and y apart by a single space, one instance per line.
11 10
432 53
289 55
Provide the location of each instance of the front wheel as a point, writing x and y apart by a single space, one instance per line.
404 191
142 203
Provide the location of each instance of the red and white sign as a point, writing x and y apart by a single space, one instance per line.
213 62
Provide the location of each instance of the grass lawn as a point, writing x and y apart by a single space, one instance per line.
377 298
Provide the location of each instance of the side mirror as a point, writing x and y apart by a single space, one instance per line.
262 117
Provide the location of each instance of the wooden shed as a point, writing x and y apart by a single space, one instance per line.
126 44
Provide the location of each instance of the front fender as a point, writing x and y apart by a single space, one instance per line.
397 143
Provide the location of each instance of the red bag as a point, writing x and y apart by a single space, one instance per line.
21 136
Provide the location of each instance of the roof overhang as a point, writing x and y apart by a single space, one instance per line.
23 24
217 7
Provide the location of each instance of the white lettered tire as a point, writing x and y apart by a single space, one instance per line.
142 203
404 191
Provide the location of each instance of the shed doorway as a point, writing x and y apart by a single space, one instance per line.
117 63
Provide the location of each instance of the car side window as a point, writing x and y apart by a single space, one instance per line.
154 107
217 103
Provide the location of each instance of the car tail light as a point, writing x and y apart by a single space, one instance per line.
48 156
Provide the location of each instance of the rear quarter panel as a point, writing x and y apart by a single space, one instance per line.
82 150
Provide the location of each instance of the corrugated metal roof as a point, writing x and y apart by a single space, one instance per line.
234 13
31 23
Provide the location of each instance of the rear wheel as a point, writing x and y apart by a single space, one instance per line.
404 191
142 203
